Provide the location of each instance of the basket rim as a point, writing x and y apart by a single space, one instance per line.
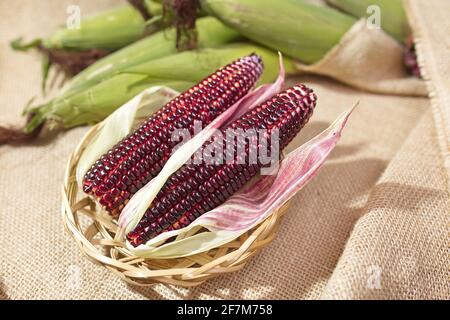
97 242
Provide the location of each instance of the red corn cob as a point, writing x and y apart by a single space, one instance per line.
197 188
139 157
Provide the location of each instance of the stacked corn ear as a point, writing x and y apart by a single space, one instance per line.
197 188
75 48
102 79
178 71
139 157
298 29
392 14
109 30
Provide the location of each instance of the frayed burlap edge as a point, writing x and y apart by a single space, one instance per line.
425 58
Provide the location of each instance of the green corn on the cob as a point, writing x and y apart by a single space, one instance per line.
300 30
178 71
81 97
210 31
74 49
109 30
393 18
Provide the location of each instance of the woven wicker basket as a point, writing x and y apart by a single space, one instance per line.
94 233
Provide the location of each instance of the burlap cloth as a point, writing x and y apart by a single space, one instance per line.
372 224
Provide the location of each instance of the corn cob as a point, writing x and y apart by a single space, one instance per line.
393 18
197 188
117 175
299 29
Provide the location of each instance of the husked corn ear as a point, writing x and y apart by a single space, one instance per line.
139 157
197 188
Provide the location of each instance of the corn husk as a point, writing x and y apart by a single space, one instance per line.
108 73
178 71
109 30
393 18
298 29
74 49
210 31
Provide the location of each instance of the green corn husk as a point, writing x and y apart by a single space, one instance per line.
210 31
178 71
74 49
109 30
393 17
301 30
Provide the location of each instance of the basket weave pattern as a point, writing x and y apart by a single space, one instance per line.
94 232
